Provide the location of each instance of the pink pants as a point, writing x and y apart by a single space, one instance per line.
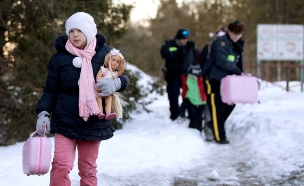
63 161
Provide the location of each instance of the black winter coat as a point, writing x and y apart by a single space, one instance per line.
61 94
225 58
178 59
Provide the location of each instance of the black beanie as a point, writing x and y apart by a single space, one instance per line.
182 34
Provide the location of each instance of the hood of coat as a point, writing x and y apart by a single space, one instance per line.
61 41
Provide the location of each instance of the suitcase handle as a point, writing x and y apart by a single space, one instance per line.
33 133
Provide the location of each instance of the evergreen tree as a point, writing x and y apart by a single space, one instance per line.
28 29
201 18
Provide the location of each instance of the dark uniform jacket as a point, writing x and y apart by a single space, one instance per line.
177 58
225 58
61 94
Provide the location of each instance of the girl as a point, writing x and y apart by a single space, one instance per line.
69 98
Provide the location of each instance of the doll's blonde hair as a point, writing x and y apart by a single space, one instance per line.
117 104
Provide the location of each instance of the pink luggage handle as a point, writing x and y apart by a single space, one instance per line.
33 133
249 74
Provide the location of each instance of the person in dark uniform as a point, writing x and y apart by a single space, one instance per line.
178 53
225 58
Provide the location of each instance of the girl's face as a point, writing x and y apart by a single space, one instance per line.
234 37
115 62
77 38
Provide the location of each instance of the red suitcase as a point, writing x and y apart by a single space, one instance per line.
239 89
36 155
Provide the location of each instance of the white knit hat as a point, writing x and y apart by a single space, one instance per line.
84 22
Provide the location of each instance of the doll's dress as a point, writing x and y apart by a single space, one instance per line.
107 74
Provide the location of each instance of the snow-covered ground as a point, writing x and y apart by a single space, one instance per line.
266 148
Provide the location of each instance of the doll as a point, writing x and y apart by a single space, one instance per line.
113 67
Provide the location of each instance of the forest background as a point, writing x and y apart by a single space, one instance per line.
28 29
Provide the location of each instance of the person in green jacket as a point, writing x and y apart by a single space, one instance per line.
193 94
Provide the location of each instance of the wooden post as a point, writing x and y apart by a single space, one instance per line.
302 74
287 75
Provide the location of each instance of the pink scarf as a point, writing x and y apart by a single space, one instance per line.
87 101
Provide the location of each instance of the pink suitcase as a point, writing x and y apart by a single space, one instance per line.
239 89
36 155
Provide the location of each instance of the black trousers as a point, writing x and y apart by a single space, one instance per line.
174 84
219 111
195 112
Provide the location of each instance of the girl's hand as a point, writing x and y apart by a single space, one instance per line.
98 90
108 86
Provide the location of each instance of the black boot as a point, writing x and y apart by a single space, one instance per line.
223 142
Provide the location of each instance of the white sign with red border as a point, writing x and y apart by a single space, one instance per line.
279 42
